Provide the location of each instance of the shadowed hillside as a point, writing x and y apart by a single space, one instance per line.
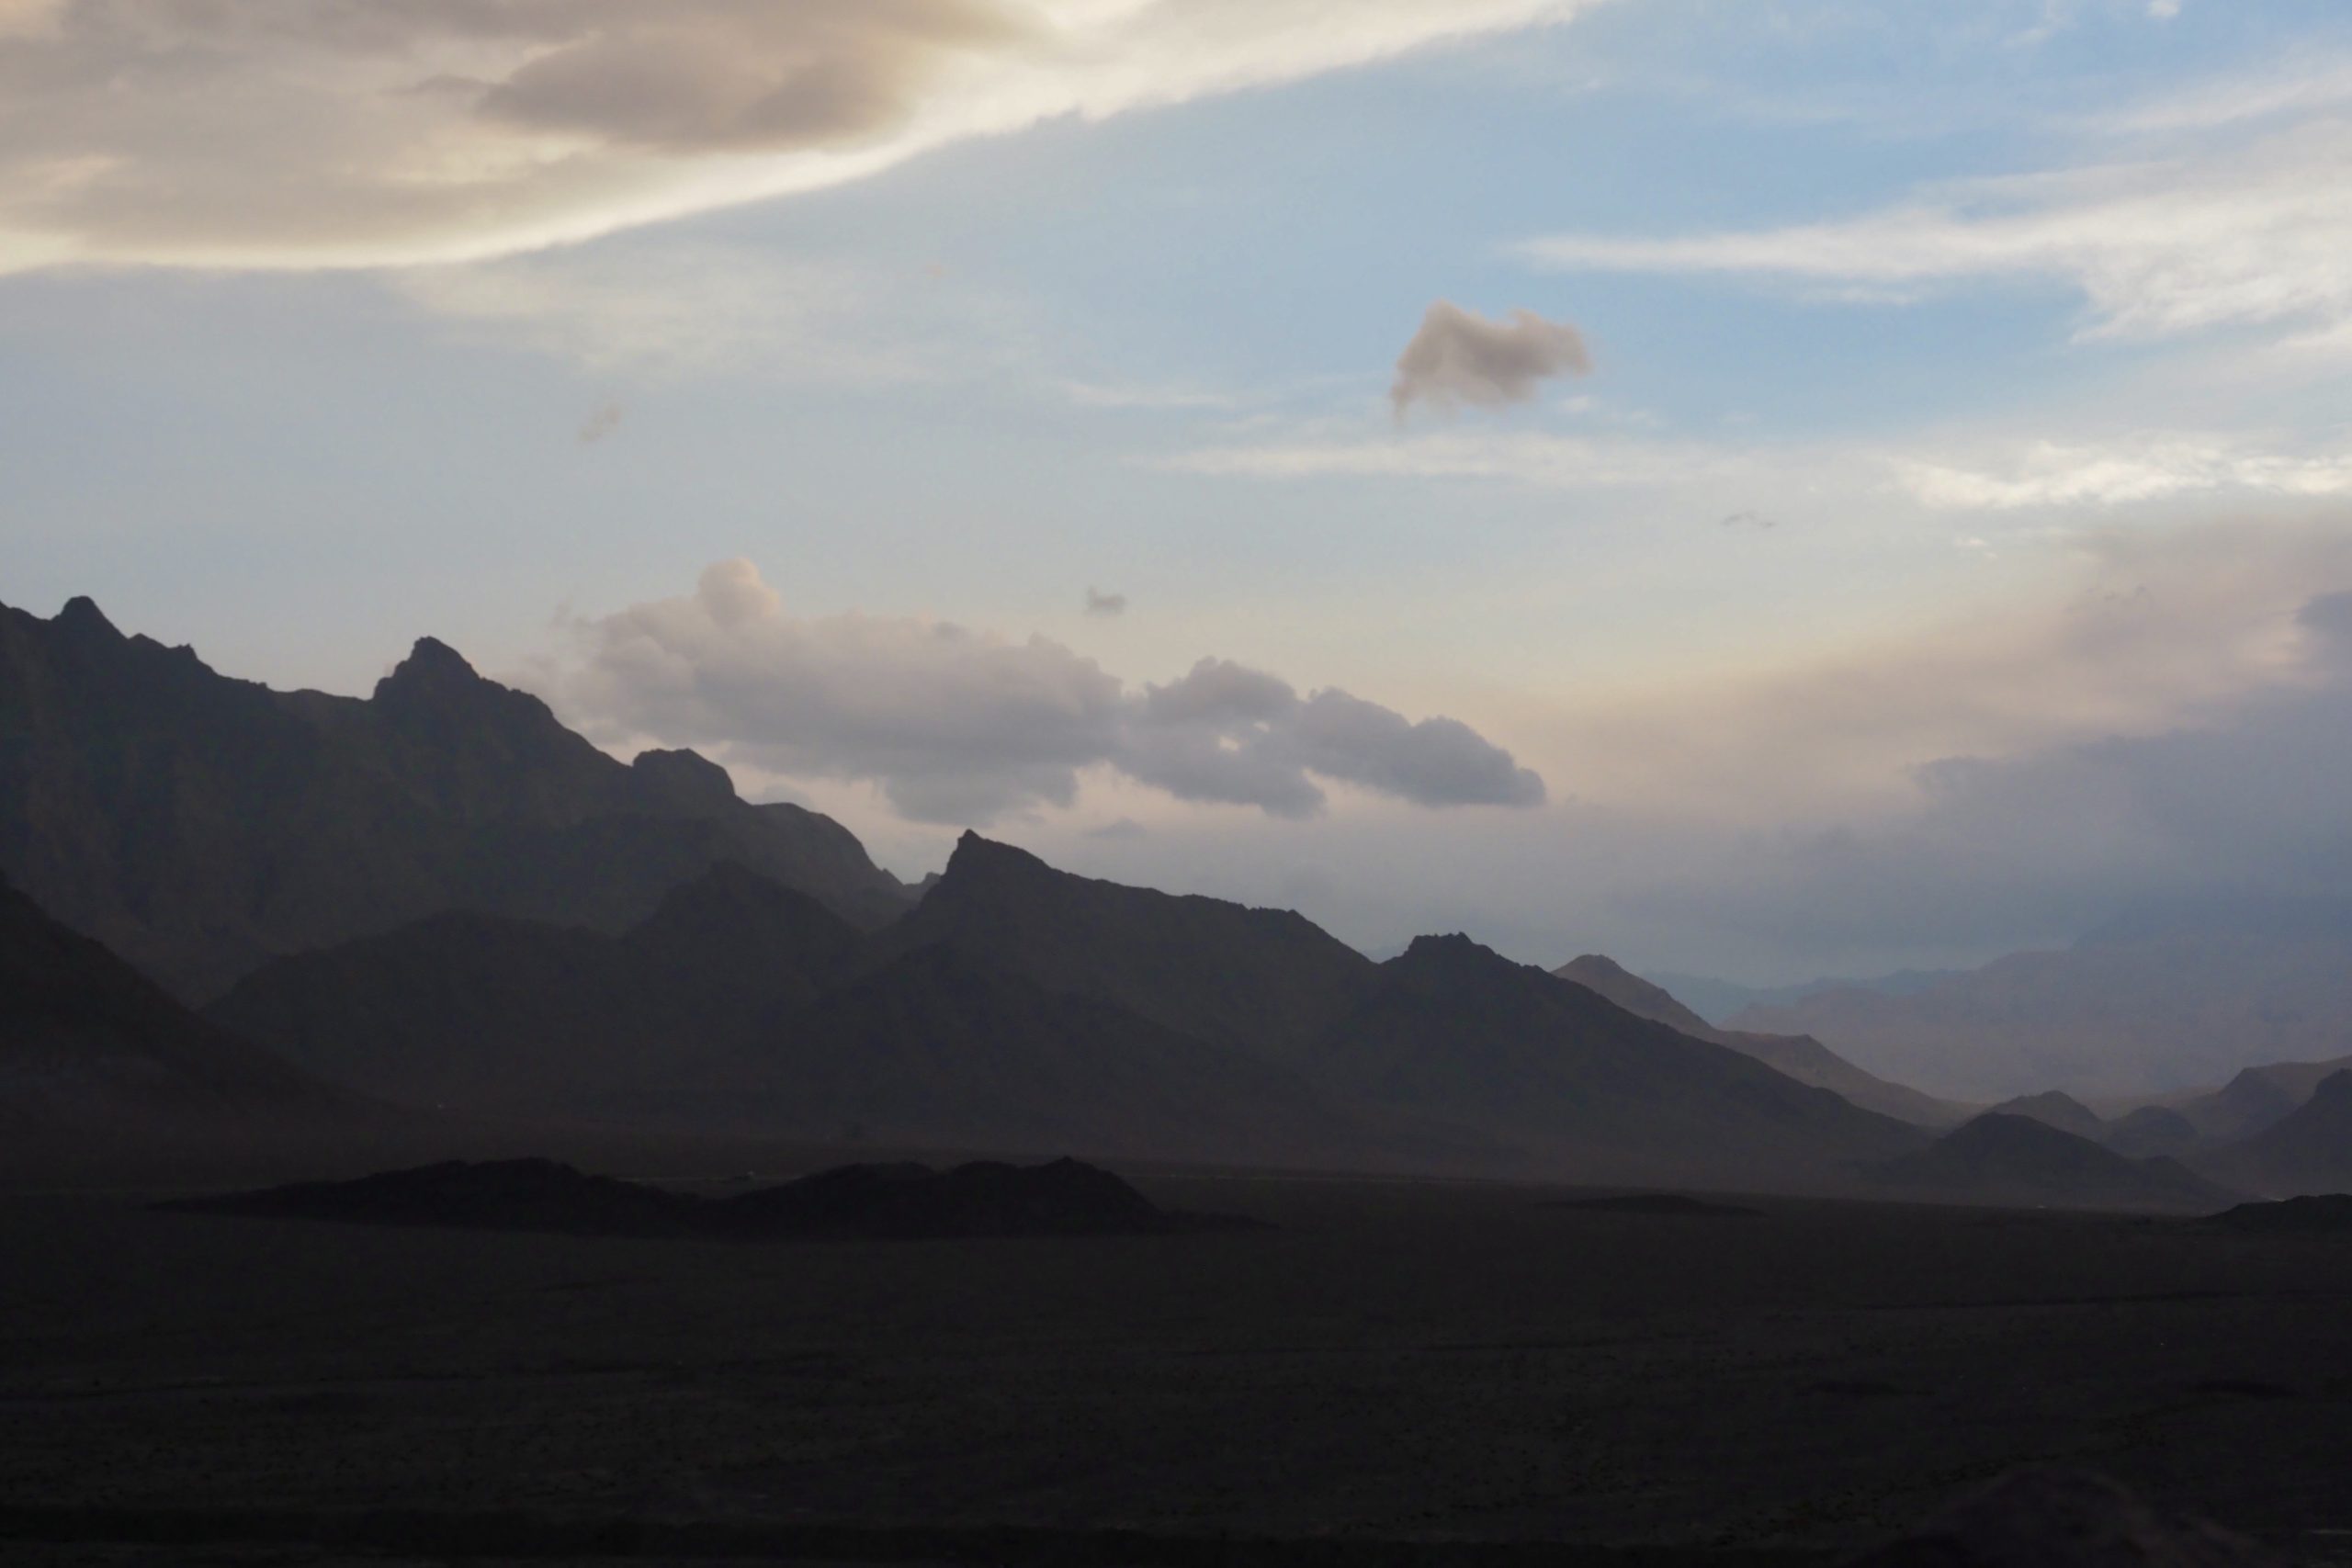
90 1048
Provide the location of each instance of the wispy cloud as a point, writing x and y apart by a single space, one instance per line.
2250 235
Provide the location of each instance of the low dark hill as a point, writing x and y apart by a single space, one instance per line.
494 1014
92 1049
200 825
1799 1057
2004 1160
2150 1130
1667 1205
2053 1109
939 1049
1456 1031
878 1201
2324 1215
2046 1519
2309 1152
1265 980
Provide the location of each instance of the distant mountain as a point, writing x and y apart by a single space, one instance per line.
91 1049
1719 1001
2257 1099
897 1202
1453 1030
200 825
2136 1018
2309 1151
2151 1130
2053 1109
2005 1159
1799 1057
490 1013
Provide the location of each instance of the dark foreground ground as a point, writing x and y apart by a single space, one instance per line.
1401 1373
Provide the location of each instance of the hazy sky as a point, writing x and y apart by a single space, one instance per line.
1760 488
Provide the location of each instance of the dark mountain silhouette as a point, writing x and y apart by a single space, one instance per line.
90 1047
2053 1109
2150 1130
490 1013
1799 1057
1453 1030
2005 1159
2040 1518
2307 1151
201 825
885 1201
2141 1018
2257 1099
1266 981
2329 1214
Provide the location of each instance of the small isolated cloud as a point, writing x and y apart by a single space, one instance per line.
1748 519
960 726
1100 603
601 422
1458 357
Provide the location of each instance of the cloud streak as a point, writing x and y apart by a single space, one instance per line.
301 133
963 727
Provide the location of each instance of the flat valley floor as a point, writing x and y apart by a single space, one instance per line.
1400 1371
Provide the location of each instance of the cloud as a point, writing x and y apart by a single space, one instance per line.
2248 235
960 726
2153 467
1457 358
601 422
1747 518
296 133
1100 603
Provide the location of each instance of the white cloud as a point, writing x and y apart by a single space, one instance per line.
964 726
290 133
2249 235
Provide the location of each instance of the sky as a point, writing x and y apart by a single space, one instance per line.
1755 489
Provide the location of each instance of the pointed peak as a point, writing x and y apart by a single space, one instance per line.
81 614
431 666
977 856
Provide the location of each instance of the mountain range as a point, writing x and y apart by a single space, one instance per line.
200 825
440 897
